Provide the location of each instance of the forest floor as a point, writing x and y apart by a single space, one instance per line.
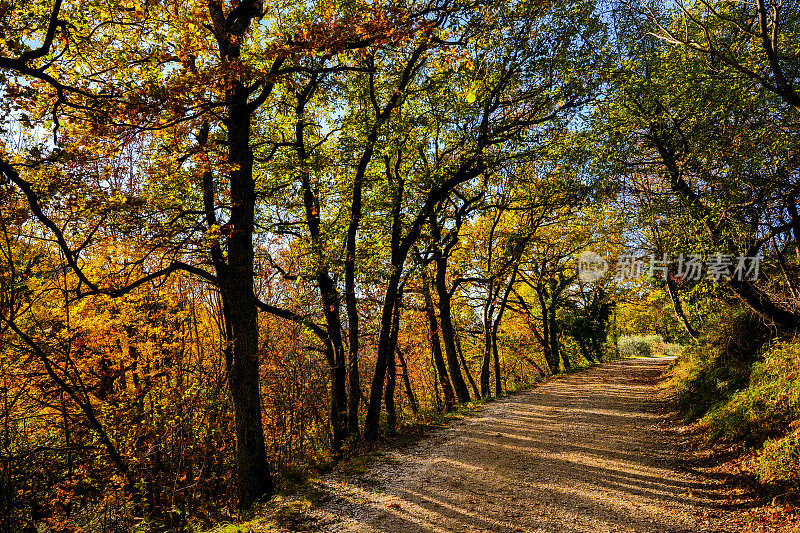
594 451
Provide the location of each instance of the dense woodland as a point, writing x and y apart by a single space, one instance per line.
242 241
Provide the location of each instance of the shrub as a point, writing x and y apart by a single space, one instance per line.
646 346
633 346
779 460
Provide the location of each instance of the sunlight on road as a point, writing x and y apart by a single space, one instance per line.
581 453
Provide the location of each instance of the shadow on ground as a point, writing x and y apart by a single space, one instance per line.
586 452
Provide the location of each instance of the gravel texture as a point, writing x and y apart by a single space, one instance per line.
587 452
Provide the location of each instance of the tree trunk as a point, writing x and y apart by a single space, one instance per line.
351 300
475 390
550 355
437 397
253 478
448 333
598 348
407 382
391 371
388 398
498 389
555 347
436 347
373 418
486 360
496 326
394 102
386 341
584 349
338 368
236 280
680 312
792 208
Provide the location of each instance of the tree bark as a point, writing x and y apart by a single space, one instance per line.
487 355
496 326
448 333
436 347
680 312
236 276
792 208
254 481
555 346
475 390
412 399
584 349
498 389
550 356
598 349
391 371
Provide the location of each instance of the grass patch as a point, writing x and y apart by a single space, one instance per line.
709 373
778 462
742 389
283 512
764 416
766 406
288 510
252 526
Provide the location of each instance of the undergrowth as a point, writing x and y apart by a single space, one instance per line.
741 387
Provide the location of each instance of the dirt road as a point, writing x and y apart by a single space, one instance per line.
583 453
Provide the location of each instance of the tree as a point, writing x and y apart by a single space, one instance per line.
187 84
442 248
754 39
719 148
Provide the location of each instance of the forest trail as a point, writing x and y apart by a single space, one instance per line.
587 452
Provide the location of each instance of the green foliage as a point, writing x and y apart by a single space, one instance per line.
646 346
779 460
637 345
651 313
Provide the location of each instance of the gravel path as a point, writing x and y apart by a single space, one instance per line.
587 452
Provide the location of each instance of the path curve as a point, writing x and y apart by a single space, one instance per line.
587 452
